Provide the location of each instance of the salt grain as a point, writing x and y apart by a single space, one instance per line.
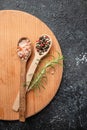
81 59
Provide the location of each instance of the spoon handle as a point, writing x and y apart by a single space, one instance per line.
31 71
15 106
22 97
29 77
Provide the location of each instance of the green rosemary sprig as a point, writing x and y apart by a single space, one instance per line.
40 78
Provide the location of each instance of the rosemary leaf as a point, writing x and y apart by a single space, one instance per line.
41 78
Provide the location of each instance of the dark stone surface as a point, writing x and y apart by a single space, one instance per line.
68 21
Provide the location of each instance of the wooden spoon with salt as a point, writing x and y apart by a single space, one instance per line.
42 48
24 52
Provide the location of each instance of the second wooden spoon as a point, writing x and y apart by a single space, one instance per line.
24 52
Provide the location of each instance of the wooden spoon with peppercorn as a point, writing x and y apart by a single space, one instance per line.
42 48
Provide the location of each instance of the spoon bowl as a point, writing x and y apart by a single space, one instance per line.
44 47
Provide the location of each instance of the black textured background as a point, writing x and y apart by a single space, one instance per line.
68 20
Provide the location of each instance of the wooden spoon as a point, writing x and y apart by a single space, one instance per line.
24 52
38 56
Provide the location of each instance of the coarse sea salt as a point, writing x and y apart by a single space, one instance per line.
24 48
81 59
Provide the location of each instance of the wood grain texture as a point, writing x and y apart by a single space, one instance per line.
22 91
13 26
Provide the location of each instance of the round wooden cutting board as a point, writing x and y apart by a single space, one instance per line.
13 26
